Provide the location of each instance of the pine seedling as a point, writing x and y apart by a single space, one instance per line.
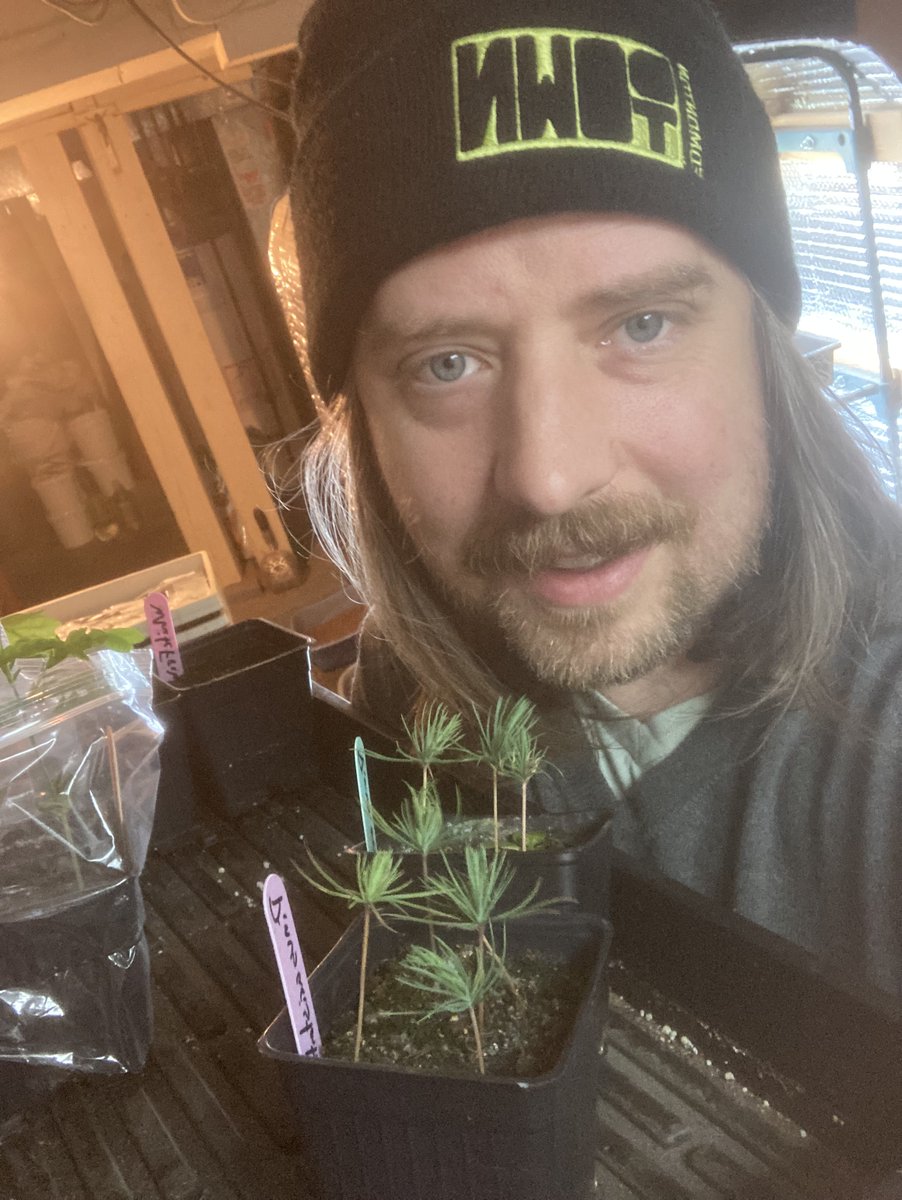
471 899
523 763
418 827
455 985
380 885
497 738
434 737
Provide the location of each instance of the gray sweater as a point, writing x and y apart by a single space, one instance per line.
796 824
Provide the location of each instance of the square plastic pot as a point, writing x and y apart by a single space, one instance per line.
245 696
175 814
580 873
389 1133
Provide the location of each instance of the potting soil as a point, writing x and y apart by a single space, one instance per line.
523 1036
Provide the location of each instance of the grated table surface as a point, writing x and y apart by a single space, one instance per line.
207 1119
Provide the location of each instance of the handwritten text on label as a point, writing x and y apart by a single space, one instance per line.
162 635
287 949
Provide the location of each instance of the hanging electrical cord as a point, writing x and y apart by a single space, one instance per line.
246 96
74 9
179 11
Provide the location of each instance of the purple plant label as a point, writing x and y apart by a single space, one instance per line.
290 961
163 640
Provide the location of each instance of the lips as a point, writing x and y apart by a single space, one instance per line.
582 581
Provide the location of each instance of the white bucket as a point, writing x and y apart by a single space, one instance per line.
111 474
94 434
64 504
35 441
100 450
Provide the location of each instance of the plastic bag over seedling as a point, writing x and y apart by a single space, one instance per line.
79 769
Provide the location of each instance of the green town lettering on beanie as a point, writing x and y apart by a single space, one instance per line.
535 89
421 122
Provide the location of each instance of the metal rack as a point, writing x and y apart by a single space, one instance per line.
854 146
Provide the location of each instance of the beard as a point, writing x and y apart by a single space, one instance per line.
598 646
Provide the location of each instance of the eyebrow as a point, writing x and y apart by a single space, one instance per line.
379 333
668 283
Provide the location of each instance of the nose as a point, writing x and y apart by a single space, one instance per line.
555 438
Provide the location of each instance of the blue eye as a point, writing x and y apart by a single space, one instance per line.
448 368
644 327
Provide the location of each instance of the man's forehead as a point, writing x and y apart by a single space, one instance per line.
578 265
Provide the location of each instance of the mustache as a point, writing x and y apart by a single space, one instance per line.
607 528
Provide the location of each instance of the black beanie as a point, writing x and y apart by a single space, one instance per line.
422 121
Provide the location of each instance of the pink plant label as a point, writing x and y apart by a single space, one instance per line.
293 973
163 640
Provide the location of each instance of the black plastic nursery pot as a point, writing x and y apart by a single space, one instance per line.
389 1133
176 811
246 704
579 873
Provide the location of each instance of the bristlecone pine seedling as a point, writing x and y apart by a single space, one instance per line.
419 826
434 737
500 737
523 762
470 900
380 887
457 985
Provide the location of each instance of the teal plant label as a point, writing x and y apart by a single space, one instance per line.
292 972
522 90
363 796
163 640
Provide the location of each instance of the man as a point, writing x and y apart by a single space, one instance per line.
568 448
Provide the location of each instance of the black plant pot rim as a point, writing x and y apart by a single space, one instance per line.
295 643
594 830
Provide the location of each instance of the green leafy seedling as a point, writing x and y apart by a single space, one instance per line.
498 738
456 985
33 635
380 885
